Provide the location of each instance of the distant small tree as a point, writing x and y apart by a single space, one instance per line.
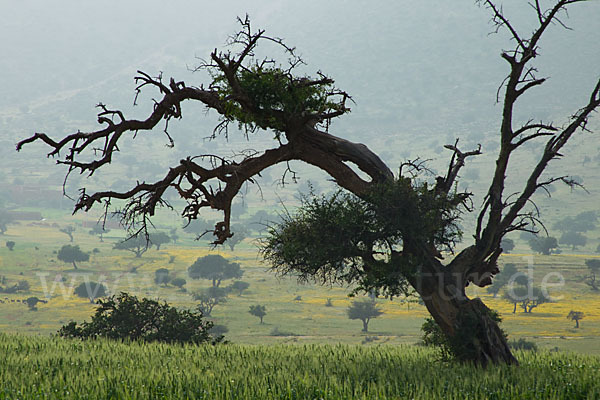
594 267
99 230
209 298
598 249
240 234
10 244
527 297
239 287
573 239
214 268
72 254
23 286
138 245
5 219
179 282
543 245
161 276
91 291
258 311
575 316
68 230
173 235
364 310
127 317
582 222
507 245
158 239
502 278
32 303
218 331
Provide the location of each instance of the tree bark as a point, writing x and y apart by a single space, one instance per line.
467 323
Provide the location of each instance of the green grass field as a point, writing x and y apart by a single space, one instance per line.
52 368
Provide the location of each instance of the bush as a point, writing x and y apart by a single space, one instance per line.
126 317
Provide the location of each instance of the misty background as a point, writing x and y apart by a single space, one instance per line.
421 74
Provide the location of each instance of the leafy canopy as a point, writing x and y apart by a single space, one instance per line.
127 317
346 239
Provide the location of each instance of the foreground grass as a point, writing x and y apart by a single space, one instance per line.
53 368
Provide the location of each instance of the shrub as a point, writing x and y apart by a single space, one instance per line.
126 317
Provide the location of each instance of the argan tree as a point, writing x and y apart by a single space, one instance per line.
91 291
137 244
215 268
382 232
593 265
365 310
72 254
575 316
258 311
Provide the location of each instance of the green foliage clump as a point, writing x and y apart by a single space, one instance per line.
91 290
346 239
459 346
215 268
127 317
72 254
273 92
364 310
258 311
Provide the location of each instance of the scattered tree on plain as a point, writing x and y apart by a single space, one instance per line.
5 219
68 230
161 276
576 316
158 239
258 311
32 303
72 254
179 283
527 297
91 291
543 244
573 239
10 245
215 268
509 271
138 245
385 232
594 268
365 310
239 287
99 230
240 234
209 298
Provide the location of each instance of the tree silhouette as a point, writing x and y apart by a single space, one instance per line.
258 311
72 254
382 231
365 310
594 268
575 316
91 291
215 268
68 230
138 245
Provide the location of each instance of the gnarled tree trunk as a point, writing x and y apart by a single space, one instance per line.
472 331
